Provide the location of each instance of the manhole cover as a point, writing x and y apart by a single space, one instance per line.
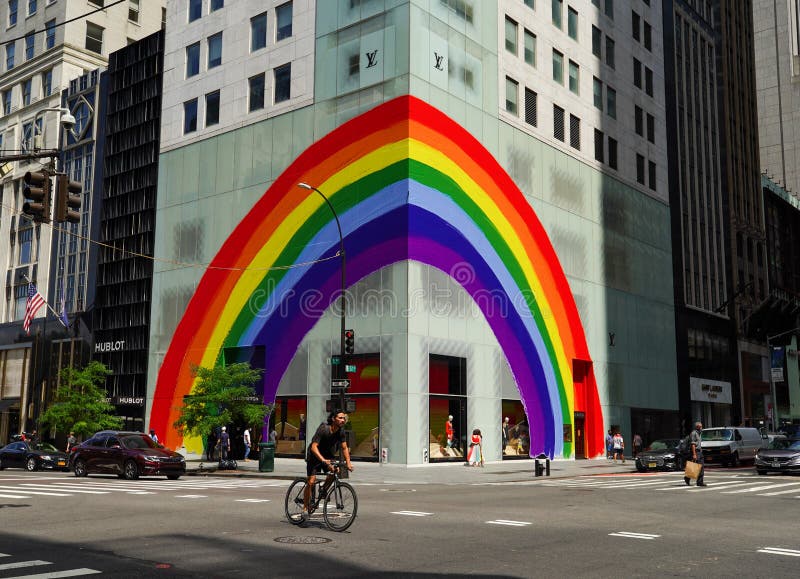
302 540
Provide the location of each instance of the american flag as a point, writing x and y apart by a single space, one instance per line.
35 301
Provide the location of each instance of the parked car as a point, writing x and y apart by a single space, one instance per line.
781 456
731 445
126 454
662 454
32 456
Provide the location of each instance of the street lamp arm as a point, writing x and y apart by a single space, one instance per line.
770 338
330 206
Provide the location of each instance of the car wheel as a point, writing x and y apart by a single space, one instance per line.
131 470
761 472
173 476
80 468
30 464
735 460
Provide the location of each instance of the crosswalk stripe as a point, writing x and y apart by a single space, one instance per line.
252 500
59 574
762 488
412 513
42 487
778 493
779 551
509 523
22 564
629 535
30 492
13 497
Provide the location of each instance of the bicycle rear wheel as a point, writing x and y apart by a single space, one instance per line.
294 501
341 506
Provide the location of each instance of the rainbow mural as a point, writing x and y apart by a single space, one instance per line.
408 183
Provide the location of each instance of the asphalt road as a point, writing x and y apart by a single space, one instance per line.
612 526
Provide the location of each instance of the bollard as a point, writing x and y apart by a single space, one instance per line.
541 468
537 468
547 467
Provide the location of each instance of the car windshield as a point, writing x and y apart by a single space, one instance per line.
138 441
667 444
783 444
45 446
718 434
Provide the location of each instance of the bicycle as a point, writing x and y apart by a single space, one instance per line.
339 500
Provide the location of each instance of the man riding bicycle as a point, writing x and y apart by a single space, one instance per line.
324 446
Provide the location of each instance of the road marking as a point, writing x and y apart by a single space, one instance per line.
779 551
13 497
4 555
21 564
58 574
762 488
412 513
30 492
509 523
252 500
628 535
777 493
42 487
191 497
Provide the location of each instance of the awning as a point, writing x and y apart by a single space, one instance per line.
7 403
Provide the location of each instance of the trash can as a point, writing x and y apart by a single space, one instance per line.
266 456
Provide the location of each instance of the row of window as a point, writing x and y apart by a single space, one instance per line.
640 172
282 77
638 67
641 30
26 93
283 20
30 44
13 9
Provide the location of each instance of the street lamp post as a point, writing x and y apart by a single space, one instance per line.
773 391
340 372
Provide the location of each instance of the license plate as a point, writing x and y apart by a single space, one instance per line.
776 464
62 463
651 465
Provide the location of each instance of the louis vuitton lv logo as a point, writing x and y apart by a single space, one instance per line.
372 58
438 58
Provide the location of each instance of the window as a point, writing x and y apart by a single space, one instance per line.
511 95
639 168
133 10
637 73
596 3
599 152
557 9
636 26
31 7
50 34
25 244
212 108
258 32
610 59
531 106
190 116
610 9
651 175
651 128
94 37
256 100
283 78
215 50
13 6
558 67
530 48
29 45
26 92
530 4
597 91
7 102
195 9
283 17
192 60
511 36
611 102
558 122
639 121
597 40
10 50
612 153
572 23
574 77
648 36
215 5
648 81
47 83
574 132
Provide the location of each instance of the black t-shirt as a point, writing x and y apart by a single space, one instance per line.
328 442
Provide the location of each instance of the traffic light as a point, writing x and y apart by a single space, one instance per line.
68 199
37 189
349 341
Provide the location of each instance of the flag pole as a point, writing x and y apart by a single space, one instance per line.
55 313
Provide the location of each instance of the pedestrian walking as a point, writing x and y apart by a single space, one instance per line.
246 439
618 445
211 445
71 440
475 453
637 445
696 451
609 444
153 435
224 444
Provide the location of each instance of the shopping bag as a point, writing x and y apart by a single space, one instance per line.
692 469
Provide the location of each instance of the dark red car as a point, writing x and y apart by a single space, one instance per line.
125 454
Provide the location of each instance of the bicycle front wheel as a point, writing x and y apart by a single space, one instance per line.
294 501
341 506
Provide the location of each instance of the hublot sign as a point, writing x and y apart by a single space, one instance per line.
109 346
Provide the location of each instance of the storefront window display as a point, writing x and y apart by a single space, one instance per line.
515 434
289 421
365 419
447 408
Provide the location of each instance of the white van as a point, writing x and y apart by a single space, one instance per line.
731 445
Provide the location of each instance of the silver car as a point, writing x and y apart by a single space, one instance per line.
781 456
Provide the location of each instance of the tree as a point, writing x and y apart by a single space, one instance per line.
222 395
80 404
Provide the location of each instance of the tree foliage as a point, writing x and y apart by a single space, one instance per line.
80 404
222 395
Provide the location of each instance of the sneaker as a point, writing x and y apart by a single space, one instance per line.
686 480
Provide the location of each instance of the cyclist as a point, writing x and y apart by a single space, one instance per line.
324 445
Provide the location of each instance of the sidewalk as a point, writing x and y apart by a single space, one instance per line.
440 473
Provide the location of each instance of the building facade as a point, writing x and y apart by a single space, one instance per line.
502 212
